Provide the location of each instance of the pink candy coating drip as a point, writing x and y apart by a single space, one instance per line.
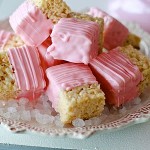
31 24
118 77
4 37
28 73
74 40
66 77
115 33
46 60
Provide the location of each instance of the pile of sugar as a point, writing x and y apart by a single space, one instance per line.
41 112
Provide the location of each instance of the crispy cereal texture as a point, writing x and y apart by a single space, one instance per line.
81 102
8 88
53 9
133 40
14 41
142 62
87 17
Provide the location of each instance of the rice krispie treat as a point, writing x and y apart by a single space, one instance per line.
4 37
9 40
87 17
74 40
133 40
53 9
141 61
118 76
115 33
29 22
74 92
20 73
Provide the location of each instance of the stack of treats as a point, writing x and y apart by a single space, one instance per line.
59 52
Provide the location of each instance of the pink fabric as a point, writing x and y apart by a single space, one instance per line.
117 76
74 40
31 24
4 37
115 33
28 73
66 77
137 11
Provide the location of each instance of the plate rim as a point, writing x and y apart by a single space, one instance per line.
139 116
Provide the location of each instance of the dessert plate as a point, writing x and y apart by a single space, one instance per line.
132 113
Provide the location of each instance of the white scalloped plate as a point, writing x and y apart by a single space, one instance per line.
135 115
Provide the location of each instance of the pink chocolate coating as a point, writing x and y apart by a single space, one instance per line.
28 72
66 77
47 61
115 33
31 24
74 40
117 76
4 37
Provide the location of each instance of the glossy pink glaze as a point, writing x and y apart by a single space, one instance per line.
115 33
74 40
47 61
117 75
66 77
137 11
4 37
31 24
28 72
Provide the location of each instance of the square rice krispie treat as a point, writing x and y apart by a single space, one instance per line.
74 92
74 40
115 33
29 22
118 76
9 40
87 17
141 61
21 74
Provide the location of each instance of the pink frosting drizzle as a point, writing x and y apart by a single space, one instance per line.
118 76
28 73
74 40
66 77
4 37
31 24
115 33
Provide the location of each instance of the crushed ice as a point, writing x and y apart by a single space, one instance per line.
42 112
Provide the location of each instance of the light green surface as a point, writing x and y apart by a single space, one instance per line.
7 7
16 147
136 137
